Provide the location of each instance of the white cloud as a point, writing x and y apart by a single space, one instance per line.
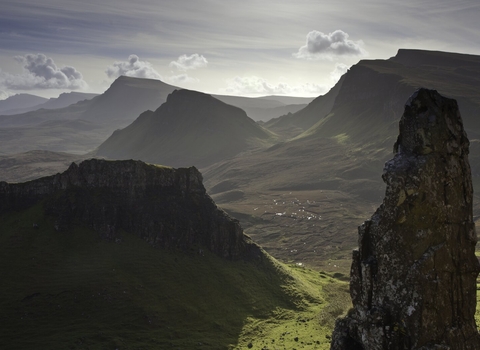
339 70
3 95
182 79
185 62
41 72
320 45
133 67
253 85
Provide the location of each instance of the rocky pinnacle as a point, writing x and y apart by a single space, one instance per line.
413 277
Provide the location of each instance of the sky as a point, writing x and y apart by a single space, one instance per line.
248 48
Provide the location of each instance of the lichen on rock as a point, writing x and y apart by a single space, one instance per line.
167 207
413 277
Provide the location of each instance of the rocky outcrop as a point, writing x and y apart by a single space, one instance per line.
413 277
167 207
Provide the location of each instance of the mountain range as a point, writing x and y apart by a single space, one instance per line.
23 103
83 125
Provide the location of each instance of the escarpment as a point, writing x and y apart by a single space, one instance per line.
413 277
167 207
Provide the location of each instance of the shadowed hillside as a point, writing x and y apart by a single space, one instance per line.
86 264
292 124
191 128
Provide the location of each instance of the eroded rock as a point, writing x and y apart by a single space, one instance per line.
413 277
167 207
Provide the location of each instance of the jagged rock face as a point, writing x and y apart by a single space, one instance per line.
413 277
167 207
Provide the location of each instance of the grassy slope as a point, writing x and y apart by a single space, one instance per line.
70 290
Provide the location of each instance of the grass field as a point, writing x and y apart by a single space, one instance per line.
71 290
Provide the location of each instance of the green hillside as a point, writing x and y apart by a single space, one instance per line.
71 290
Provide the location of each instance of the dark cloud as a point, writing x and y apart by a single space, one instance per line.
133 67
320 45
41 72
193 61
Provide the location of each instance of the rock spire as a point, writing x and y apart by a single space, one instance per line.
413 277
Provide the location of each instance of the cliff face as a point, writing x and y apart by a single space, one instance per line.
167 207
413 278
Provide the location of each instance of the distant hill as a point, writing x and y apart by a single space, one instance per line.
66 99
191 128
125 99
288 100
19 101
267 107
373 93
31 165
334 167
63 100
83 126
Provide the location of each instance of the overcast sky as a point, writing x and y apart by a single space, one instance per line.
252 48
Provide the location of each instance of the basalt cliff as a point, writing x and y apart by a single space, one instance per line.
413 277
167 207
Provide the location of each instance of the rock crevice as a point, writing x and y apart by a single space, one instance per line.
413 277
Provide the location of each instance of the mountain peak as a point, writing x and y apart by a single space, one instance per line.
190 128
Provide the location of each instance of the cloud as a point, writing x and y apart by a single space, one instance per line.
185 62
3 95
182 79
41 72
253 85
320 45
133 67
339 70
